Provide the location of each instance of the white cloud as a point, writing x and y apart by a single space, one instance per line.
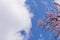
14 16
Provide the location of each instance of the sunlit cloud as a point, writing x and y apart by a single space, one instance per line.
14 17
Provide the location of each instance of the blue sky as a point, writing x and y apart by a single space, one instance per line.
38 8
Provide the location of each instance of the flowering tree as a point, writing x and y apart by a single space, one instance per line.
52 21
